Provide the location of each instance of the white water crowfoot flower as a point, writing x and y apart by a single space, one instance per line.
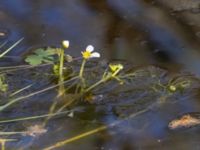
88 53
65 43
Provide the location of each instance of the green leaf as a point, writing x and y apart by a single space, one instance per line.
42 52
34 60
41 56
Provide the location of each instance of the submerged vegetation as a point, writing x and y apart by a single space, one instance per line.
79 81
3 84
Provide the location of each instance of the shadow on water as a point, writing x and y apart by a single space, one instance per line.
143 32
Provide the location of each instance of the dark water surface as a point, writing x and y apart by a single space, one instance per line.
143 32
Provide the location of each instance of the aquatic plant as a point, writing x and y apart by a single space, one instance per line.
79 80
3 84
41 56
46 56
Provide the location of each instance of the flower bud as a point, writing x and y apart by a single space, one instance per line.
65 44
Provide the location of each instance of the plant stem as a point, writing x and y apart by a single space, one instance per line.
105 78
61 78
82 68
81 75
98 83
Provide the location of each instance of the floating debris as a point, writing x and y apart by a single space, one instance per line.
3 33
71 114
35 130
186 121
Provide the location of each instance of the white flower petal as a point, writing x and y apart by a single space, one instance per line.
95 54
90 48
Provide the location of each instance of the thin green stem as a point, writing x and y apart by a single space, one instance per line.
83 85
61 78
94 85
61 59
105 78
82 68
98 83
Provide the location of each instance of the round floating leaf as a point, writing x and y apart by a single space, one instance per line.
34 60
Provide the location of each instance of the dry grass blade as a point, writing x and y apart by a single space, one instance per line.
10 48
36 117
3 142
21 67
3 107
99 129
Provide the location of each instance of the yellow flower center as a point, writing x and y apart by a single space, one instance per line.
86 54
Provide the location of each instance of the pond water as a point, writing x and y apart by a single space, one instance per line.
141 32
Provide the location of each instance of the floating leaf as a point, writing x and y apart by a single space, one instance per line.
34 60
48 52
41 56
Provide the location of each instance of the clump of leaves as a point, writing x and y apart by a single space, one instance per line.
3 84
41 56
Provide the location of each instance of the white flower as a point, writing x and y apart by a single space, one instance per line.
65 43
88 53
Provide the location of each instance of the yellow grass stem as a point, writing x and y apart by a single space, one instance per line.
3 142
10 48
99 129
35 117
